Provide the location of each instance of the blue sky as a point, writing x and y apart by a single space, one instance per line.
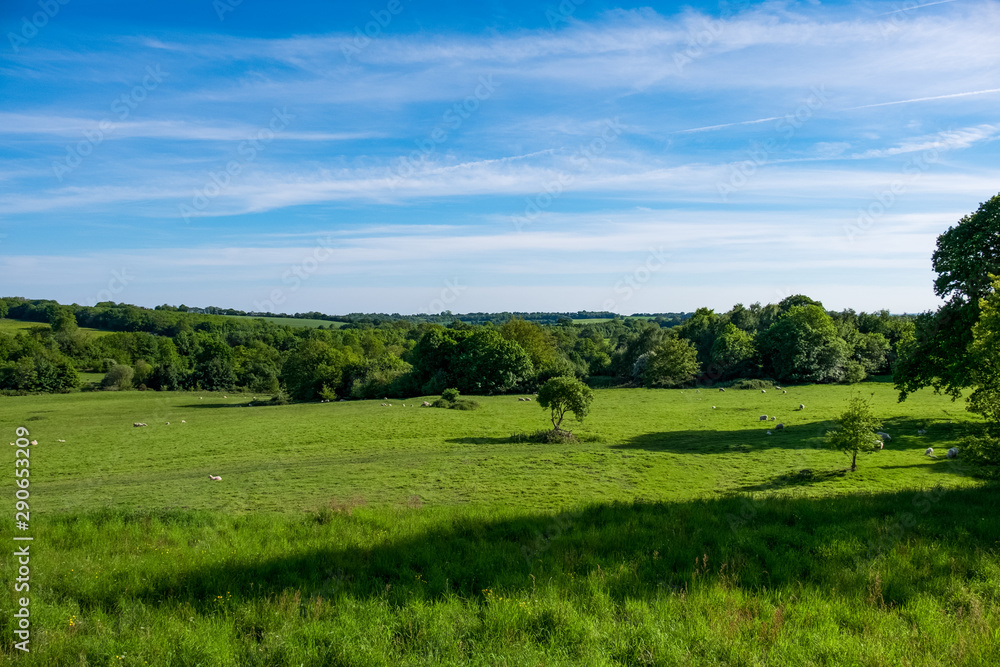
410 156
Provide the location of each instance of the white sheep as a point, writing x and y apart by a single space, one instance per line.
769 433
763 391
929 452
713 407
783 391
921 431
953 452
183 422
885 436
801 406
426 404
215 478
721 389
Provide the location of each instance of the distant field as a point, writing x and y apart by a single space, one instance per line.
296 322
677 532
10 326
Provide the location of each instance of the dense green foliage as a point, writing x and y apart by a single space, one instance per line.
175 348
937 354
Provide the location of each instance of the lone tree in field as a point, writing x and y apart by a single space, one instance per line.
857 430
565 394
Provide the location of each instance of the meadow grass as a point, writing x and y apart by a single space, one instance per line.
10 326
356 534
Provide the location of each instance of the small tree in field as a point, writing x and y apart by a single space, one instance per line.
857 430
565 394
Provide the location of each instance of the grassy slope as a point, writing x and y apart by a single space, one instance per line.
655 445
10 326
429 540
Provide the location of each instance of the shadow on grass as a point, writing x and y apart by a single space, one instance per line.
636 550
804 436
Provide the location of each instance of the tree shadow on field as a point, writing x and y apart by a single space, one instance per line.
801 436
630 550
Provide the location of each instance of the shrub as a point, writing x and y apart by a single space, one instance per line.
451 399
118 377
756 383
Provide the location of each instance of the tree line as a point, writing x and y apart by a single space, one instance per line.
795 340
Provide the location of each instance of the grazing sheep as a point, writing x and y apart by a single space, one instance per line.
225 397
183 422
763 418
134 424
930 452
773 418
879 444
383 405
527 399
783 391
215 478
713 407
721 389
763 391
921 431
426 404
769 433
520 400
801 406
953 452
168 423
885 436
60 441
779 427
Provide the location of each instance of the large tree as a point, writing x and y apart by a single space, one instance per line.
673 362
985 355
937 353
803 346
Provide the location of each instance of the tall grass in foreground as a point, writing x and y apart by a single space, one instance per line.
906 578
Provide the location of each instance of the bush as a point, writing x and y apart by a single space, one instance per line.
118 377
280 398
451 399
757 384
854 372
981 449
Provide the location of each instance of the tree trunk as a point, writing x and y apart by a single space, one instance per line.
854 461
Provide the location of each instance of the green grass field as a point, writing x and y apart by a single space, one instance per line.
297 322
356 534
10 326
